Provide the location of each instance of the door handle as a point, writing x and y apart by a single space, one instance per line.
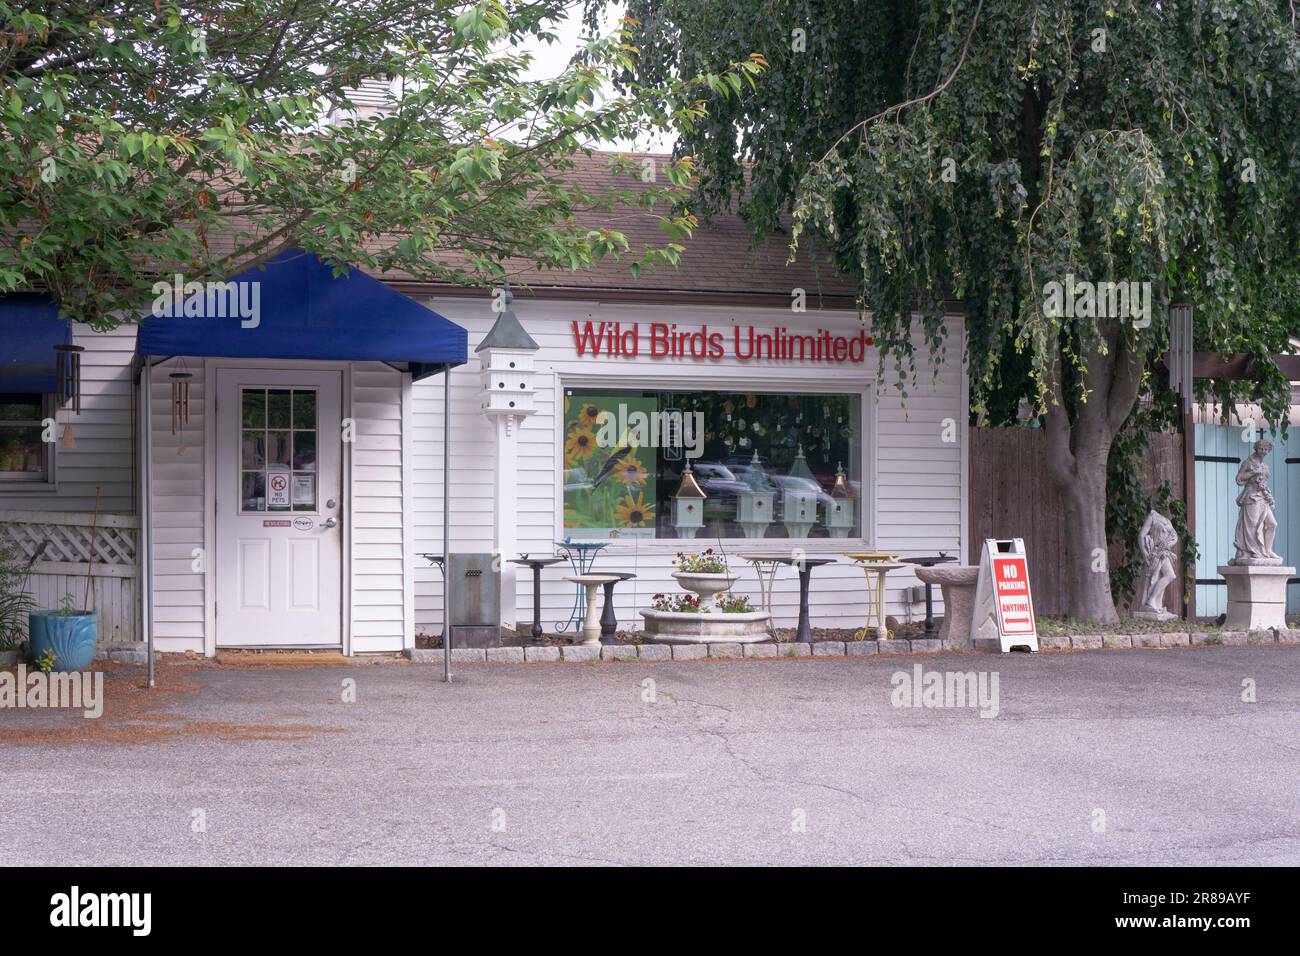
330 522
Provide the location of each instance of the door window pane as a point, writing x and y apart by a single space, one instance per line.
304 451
277 408
254 408
304 409
278 447
254 449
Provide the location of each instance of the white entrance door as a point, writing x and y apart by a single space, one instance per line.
279 560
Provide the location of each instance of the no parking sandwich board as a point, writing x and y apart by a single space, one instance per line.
1004 605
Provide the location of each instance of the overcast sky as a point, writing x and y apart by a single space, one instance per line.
550 60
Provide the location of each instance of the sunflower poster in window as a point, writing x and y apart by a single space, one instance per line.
609 482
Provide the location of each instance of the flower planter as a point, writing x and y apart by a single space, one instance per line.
707 586
70 636
710 627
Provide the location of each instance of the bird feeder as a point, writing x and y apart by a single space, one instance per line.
688 505
506 364
839 511
755 502
799 498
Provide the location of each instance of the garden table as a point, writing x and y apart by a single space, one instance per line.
581 556
536 564
929 561
875 565
805 566
608 622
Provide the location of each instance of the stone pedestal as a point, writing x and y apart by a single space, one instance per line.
957 584
1256 596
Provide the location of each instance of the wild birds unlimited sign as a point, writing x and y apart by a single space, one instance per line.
665 340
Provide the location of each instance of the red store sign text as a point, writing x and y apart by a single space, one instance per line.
747 344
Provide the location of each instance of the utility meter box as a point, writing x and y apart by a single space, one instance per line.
474 581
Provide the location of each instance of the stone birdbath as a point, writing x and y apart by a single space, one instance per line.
591 622
957 584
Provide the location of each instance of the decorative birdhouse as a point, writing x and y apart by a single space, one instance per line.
688 505
755 503
799 498
506 358
839 511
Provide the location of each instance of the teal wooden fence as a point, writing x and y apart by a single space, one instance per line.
1220 450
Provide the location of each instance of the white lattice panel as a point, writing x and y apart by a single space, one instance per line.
69 539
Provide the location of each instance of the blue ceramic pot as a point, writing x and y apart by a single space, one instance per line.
70 636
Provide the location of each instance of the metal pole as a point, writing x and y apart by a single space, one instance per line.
446 524
146 549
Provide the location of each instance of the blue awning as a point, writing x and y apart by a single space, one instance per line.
295 308
30 327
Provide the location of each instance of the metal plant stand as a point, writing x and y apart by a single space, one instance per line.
536 564
581 555
437 559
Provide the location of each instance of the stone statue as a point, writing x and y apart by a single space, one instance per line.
1156 542
1256 525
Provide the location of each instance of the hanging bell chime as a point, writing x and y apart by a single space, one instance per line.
180 400
67 375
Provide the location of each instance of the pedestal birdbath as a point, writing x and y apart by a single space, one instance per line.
591 622
957 584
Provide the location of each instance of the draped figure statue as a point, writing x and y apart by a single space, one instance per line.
1256 524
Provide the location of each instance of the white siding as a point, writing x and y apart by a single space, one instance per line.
379 551
917 481
103 454
181 505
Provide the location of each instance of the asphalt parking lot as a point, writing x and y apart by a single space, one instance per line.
1115 757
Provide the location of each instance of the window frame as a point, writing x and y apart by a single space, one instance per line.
44 480
686 378
292 511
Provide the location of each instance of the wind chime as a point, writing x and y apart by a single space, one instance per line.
67 385
67 375
180 404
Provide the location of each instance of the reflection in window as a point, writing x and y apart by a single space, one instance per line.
23 455
769 465
278 449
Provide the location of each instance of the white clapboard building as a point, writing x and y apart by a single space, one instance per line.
271 473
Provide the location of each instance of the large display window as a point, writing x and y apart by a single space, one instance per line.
717 464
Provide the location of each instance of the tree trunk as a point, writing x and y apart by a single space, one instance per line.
1088 596
1078 451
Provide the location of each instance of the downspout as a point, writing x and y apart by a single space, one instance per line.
146 512
446 524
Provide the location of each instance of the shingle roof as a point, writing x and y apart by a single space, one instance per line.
718 261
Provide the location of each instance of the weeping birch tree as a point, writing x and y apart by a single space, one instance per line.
1064 169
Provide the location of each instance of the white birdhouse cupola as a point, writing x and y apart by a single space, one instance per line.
841 507
755 502
506 357
688 505
799 498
